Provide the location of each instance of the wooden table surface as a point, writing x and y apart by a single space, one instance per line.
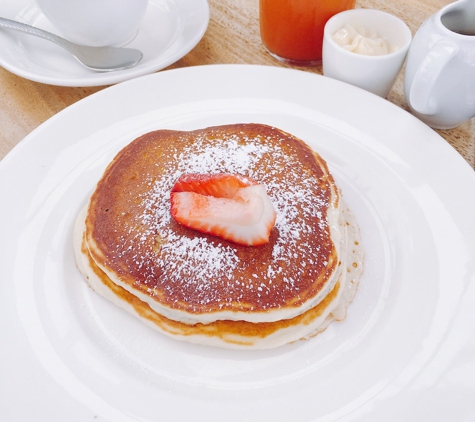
232 37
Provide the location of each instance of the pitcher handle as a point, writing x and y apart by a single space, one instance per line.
427 75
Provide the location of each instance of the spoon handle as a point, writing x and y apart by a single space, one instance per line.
23 27
100 59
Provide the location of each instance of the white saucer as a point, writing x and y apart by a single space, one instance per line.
171 28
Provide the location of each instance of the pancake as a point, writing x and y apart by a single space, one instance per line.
234 334
132 251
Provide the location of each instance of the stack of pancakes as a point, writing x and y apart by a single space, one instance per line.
204 289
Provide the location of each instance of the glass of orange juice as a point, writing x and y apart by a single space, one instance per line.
292 30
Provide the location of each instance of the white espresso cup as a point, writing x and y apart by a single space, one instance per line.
374 73
95 22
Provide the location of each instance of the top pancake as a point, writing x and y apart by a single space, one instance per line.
193 277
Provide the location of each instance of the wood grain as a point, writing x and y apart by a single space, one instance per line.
232 37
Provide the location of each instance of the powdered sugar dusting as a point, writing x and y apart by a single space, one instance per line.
189 270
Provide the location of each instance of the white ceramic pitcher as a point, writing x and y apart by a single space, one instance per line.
439 81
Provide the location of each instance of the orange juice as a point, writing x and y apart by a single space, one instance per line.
292 30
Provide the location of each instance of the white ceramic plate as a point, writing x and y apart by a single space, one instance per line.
170 29
406 349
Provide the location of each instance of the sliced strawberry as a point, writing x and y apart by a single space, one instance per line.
232 207
220 185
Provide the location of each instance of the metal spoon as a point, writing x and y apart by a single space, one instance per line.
101 59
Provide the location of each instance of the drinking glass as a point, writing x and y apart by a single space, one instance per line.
292 30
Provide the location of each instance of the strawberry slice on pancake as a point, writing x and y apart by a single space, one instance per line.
230 206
